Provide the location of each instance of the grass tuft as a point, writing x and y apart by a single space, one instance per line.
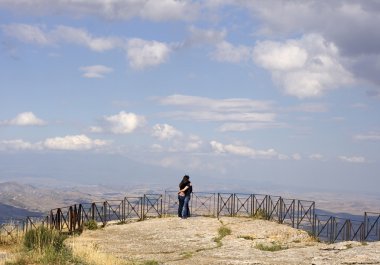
247 237
272 247
91 225
261 215
222 232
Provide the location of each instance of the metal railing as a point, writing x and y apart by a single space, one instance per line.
300 214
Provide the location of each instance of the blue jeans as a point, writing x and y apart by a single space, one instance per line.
185 207
181 201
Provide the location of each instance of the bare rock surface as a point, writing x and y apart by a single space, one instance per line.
192 241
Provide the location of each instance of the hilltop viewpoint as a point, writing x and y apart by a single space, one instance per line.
212 241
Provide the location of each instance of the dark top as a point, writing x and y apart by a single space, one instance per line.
189 189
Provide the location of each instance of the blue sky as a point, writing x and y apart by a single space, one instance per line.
280 92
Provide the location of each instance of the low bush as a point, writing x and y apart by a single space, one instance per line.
269 247
91 225
42 238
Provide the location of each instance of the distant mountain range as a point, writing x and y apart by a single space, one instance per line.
21 199
8 212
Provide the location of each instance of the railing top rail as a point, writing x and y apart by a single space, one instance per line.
306 201
372 213
114 200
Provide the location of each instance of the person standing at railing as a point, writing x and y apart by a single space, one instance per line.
184 193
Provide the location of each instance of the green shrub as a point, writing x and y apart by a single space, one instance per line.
271 247
261 214
41 238
151 262
224 231
91 225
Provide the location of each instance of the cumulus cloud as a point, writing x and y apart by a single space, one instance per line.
95 71
371 136
226 52
245 151
305 68
25 119
111 10
356 35
123 122
353 159
73 142
165 131
142 53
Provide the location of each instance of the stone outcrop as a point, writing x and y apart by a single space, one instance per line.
197 241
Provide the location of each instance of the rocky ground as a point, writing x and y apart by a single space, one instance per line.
197 241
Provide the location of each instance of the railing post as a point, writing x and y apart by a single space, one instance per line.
143 207
104 213
93 211
123 210
71 219
217 206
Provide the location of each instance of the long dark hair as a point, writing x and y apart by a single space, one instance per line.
184 181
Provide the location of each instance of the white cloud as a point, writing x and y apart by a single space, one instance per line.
84 38
220 117
38 34
248 126
305 68
230 104
280 56
95 71
70 142
96 129
296 156
142 53
111 10
310 107
245 151
73 142
168 10
123 122
193 143
205 36
17 144
371 136
353 159
165 131
316 157
219 110
27 33
226 52
25 119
